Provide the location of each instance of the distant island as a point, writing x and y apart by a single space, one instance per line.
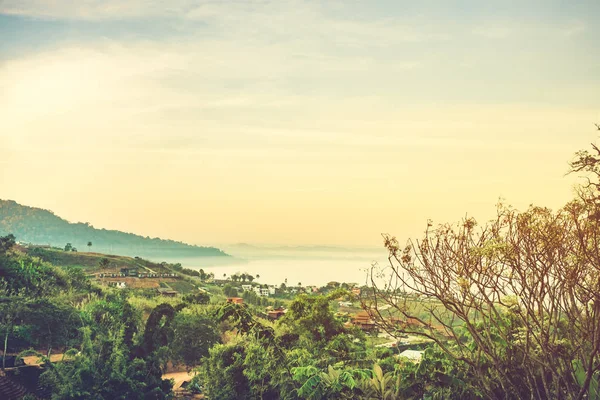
39 226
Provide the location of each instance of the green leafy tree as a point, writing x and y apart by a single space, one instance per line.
105 366
255 366
103 263
6 243
197 298
102 370
313 318
330 384
158 330
222 374
194 333
54 323
12 306
230 291
68 247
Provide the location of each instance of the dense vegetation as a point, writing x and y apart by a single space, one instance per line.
117 343
35 225
510 310
520 295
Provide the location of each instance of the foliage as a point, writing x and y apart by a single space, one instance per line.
194 333
102 369
519 299
222 373
311 317
332 384
230 291
35 225
511 310
197 298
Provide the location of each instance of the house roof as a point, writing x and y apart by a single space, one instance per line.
413 355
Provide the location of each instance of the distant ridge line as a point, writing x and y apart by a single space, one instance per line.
40 226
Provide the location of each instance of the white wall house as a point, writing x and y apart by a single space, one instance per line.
261 292
247 288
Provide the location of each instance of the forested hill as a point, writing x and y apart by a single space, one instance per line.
39 226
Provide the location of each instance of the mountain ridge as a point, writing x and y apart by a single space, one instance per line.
42 226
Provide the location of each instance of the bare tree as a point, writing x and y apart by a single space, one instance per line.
517 300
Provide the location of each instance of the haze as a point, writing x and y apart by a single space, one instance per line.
292 122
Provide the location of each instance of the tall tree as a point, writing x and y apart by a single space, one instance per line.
518 296
193 335
12 306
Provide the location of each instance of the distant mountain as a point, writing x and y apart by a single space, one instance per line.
256 252
307 248
39 226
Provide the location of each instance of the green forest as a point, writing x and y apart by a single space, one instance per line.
509 309
43 227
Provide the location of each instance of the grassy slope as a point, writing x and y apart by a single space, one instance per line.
91 261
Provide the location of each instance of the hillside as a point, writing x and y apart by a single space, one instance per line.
39 226
89 261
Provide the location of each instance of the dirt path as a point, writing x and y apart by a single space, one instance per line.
178 377
144 267
33 360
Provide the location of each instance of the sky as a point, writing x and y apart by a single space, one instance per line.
293 121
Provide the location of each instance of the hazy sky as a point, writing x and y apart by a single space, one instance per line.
292 121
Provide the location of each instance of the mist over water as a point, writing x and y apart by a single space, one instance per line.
305 265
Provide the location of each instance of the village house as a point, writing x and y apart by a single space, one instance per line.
363 321
413 322
276 313
412 355
263 292
396 321
129 272
167 292
247 288
235 300
272 290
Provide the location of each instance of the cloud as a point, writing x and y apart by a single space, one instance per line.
296 21
493 31
92 9
574 29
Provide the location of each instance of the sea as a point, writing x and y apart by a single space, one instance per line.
293 266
